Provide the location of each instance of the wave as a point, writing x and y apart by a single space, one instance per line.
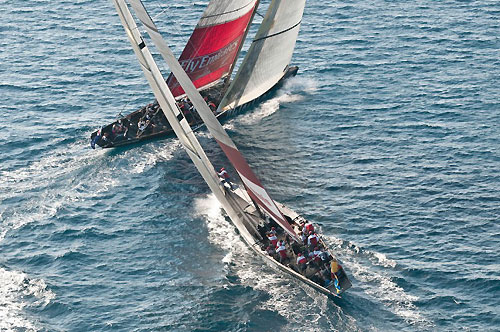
371 270
17 292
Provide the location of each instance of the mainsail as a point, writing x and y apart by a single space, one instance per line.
252 184
170 109
269 55
215 43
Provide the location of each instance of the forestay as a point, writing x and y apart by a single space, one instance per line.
269 55
215 43
252 184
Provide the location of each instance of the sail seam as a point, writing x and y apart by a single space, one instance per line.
277 33
229 12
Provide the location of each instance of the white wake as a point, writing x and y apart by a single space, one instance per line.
285 293
15 291
294 89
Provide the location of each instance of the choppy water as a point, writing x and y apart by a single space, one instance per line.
388 138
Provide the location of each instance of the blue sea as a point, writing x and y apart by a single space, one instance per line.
388 139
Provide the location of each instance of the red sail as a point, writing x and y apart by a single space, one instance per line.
255 188
211 50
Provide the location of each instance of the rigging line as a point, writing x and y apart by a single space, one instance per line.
277 33
164 9
160 13
256 12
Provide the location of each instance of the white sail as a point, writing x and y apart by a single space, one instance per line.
269 55
252 184
172 113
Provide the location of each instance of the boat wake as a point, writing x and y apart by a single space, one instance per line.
294 89
372 271
150 158
39 193
286 297
17 291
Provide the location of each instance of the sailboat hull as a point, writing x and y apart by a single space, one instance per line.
235 198
167 131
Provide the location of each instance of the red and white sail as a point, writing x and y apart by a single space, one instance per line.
173 114
252 184
215 43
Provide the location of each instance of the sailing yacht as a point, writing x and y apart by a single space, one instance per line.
261 222
209 59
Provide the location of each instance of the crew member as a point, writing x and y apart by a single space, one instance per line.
270 251
312 240
96 139
309 227
273 239
224 175
118 130
335 267
303 237
315 256
281 250
301 261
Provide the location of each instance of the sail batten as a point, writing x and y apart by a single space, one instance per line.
277 33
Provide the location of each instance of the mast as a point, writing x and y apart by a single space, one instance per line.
213 47
252 184
174 116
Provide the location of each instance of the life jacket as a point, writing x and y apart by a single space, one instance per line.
301 260
309 227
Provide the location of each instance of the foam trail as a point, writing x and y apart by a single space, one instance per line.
371 269
149 159
33 189
81 168
16 292
293 90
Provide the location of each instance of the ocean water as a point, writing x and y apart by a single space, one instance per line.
388 138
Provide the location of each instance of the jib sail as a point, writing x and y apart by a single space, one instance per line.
269 55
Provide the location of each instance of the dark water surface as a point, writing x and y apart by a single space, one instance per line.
388 138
